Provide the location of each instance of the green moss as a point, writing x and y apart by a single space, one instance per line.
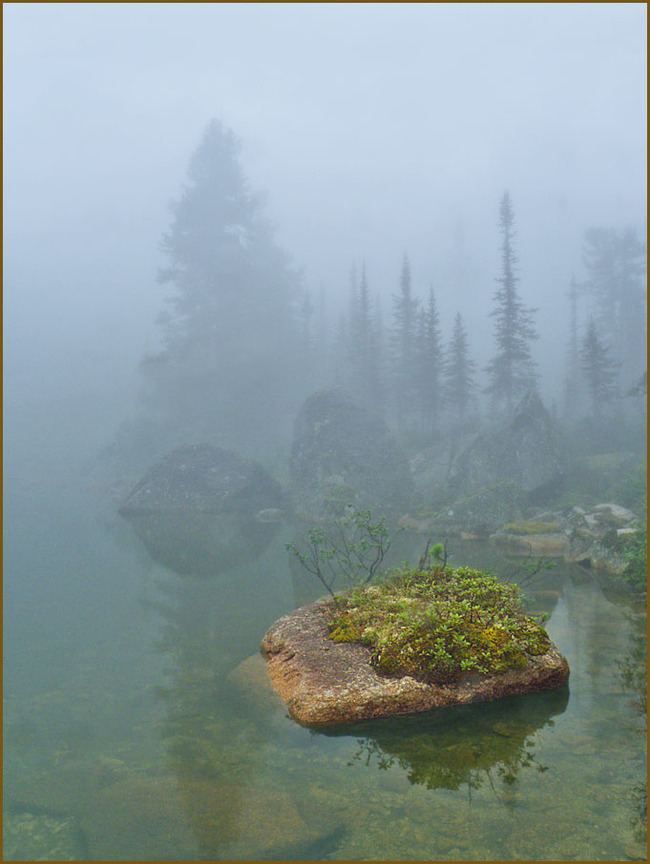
344 630
635 552
531 527
436 625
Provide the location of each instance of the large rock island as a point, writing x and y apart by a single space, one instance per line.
330 669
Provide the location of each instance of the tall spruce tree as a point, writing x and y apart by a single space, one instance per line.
512 370
572 387
615 263
429 363
403 338
229 333
460 386
363 341
600 370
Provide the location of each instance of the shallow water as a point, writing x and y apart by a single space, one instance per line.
127 736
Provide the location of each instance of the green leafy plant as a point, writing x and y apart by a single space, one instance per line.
353 550
438 624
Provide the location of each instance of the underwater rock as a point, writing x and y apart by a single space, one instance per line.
202 510
252 687
193 818
343 454
326 683
33 834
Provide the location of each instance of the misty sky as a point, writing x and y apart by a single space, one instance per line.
375 129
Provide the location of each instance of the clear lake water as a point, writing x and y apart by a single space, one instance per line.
134 730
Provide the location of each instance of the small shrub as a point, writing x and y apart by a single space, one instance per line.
354 548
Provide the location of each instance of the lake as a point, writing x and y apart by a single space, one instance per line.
129 736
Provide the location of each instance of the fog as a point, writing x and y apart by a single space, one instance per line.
374 129
181 468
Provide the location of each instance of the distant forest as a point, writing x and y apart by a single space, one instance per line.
244 341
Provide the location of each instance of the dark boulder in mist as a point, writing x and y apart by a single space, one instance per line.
202 510
343 454
524 452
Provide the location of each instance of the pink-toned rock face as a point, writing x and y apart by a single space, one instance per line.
324 683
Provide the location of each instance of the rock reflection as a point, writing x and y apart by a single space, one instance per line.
215 757
202 510
633 675
465 746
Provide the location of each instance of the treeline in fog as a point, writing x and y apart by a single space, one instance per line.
245 339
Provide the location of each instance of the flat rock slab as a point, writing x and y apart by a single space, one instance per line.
551 545
325 683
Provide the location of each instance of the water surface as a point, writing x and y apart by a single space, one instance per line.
128 738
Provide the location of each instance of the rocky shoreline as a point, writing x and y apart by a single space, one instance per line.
592 537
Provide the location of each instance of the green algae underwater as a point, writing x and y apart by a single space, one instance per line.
128 735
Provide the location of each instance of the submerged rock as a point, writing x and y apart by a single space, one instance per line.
33 834
326 683
215 819
202 510
342 455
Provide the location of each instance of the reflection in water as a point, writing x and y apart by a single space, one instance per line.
459 747
633 673
202 510
214 756
193 774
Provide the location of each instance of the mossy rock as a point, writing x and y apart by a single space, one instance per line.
325 681
532 527
437 625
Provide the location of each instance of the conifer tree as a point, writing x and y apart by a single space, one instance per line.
403 336
460 386
363 342
615 262
512 371
229 333
429 363
572 366
599 369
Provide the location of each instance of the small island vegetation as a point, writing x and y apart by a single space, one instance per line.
438 624
433 623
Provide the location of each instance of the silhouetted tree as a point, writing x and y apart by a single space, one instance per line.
403 335
460 386
230 337
512 370
363 341
429 363
615 262
599 369
572 382
306 338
